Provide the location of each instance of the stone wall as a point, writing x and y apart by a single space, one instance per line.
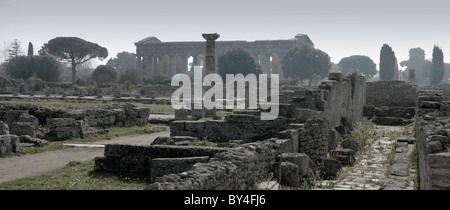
138 159
233 127
391 93
432 136
24 119
390 102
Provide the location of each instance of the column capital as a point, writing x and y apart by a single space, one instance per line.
211 37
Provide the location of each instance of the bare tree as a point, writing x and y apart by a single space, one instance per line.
14 49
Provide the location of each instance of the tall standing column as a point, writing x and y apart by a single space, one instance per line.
268 71
144 66
210 63
172 65
139 63
210 57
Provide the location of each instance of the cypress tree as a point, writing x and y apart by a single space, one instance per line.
437 72
388 63
30 49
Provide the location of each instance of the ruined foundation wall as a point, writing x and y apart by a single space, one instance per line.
344 98
391 93
432 136
233 127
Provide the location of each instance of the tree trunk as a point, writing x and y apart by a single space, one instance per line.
74 72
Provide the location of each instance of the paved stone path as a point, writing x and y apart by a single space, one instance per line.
370 170
34 164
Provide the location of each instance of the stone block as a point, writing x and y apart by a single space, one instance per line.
329 167
335 76
9 143
300 159
163 166
429 104
287 173
349 143
181 114
304 114
290 134
23 128
442 139
4 128
334 139
29 119
439 160
434 146
35 141
345 156
163 140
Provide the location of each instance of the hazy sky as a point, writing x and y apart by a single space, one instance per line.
339 27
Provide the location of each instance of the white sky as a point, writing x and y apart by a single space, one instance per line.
340 28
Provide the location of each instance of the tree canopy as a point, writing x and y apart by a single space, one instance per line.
123 61
437 72
74 51
43 67
104 74
359 64
388 63
422 67
303 63
237 61
131 75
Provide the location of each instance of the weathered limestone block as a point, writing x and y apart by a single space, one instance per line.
304 114
63 128
334 139
335 76
23 128
300 159
345 156
429 104
4 128
349 142
30 119
329 167
288 174
290 134
9 143
163 166
35 141
163 140
181 114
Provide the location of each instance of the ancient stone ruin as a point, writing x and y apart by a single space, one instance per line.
20 122
251 148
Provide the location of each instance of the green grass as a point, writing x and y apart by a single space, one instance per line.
113 132
78 176
363 133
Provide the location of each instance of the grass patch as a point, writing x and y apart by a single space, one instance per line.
364 132
78 176
202 143
113 132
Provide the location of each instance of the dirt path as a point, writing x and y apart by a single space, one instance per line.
34 164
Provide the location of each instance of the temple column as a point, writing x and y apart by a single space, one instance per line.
143 66
210 57
138 63
210 65
172 66
154 66
160 65
149 69
268 71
